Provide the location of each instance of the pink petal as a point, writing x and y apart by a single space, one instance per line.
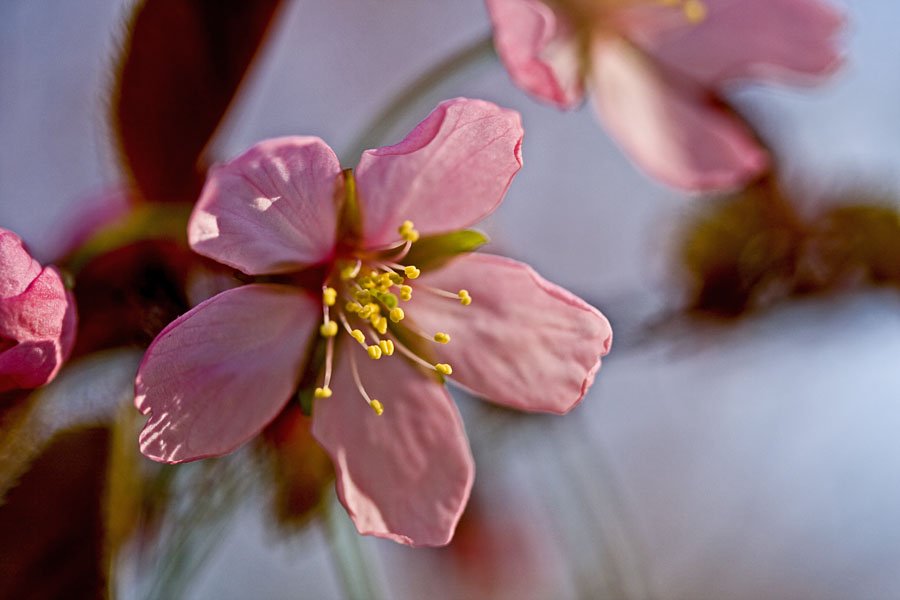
669 127
214 377
451 171
522 342
37 331
539 50
17 268
272 209
792 41
405 475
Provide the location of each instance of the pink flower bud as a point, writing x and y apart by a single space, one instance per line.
37 318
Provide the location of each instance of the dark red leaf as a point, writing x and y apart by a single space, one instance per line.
182 64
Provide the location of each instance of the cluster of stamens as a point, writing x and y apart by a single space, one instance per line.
371 290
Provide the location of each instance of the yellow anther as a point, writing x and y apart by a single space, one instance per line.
323 392
350 271
329 329
365 311
387 346
329 296
362 295
407 231
395 278
405 292
464 298
374 352
441 338
357 335
376 406
352 307
443 368
374 318
366 282
411 272
397 315
694 11
381 325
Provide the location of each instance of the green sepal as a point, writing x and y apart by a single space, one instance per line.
433 251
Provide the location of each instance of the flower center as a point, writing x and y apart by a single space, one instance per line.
364 299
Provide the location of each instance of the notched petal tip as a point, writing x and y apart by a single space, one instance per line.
451 171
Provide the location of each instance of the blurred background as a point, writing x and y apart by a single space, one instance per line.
736 444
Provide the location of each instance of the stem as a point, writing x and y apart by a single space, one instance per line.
378 127
350 556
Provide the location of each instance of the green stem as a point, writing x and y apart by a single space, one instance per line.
353 564
373 135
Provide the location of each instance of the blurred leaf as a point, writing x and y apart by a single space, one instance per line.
87 393
181 67
126 297
51 523
144 222
742 250
433 251
301 469
860 240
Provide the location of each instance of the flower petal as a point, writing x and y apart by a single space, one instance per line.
17 268
792 41
538 49
270 210
404 475
451 171
214 377
37 331
522 342
672 129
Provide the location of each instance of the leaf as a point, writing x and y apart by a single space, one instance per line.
181 67
87 393
51 524
433 251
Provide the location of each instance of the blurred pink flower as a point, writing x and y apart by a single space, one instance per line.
656 70
37 318
217 375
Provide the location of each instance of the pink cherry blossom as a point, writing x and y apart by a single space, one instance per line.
37 318
336 307
656 70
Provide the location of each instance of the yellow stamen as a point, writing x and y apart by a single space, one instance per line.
397 315
441 338
405 292
387 346
443 368
464 298
352 307
407 231
374 352
323 392
411 272
351 271
694 11
362 296
329 296
366 311
357 335
395 278
329 329
381 325
376 406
